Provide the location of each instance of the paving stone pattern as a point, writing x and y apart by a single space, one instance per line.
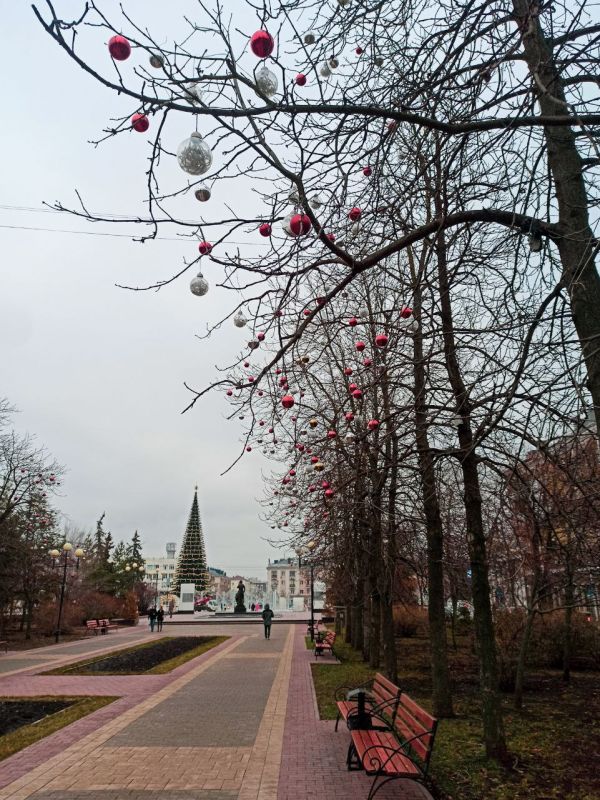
258 644
222 707
11 664
136 794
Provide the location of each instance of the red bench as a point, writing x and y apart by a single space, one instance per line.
92 625
106 625
321 645
381 701
403 751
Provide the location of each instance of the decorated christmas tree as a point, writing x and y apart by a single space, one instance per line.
191 564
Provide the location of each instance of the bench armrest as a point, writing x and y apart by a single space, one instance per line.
372 762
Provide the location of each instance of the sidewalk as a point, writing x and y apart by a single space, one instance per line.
237 723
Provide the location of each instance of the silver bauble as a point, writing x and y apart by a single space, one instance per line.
285 224
266 81
199 285
324 71
333 63
156 61
316 201
239 320
378 61
310 37
193 155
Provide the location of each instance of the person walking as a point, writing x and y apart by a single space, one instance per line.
267 616
160 615
152 619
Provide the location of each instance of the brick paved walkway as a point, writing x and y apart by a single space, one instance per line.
237 723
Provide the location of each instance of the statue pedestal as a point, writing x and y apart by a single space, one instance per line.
239 609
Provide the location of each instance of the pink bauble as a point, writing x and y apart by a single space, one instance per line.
360 346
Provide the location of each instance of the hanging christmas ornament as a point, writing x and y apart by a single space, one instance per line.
287 401
266 81
357 394
373 424
310 37
300 224
367 362
333 63
300 79
312 487
324 71
331 434
378 61
260 336
239 320
119 48
329 494
313 422
352 387
156 61
353 322
229 392
360 346
195 92
359 51
199 285
202 193
248 449
343 3
265 229
355 214
367 172
140 123
319 466
347 370
330 236
262 44
406 312
193 155
205 248
253 344
285 224
355 229
381 340
349 416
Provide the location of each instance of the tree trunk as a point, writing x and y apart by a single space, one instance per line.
388 637
375 641
577 244
348 625
568 638
522 657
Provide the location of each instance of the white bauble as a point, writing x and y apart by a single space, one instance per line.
239 320
324 71
266 81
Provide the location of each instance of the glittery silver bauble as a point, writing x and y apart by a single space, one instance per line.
202 193
266 81
239 320
193 155
199 285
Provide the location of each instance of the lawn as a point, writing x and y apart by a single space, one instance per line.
66 710
150 658
554 740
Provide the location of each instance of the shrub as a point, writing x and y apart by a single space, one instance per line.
46 617
409 620
97 605
129 608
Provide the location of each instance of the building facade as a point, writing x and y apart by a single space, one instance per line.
289 585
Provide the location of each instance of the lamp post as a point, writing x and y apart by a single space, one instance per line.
310 547
63 558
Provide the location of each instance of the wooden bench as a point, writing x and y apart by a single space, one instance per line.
106 625
92 625
403 751
381 701
321 645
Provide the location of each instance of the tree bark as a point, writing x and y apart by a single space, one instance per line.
576 245
568 637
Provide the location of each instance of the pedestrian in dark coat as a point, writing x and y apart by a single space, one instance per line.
152 619
267 616
160 615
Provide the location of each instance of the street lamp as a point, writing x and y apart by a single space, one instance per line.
64 558
310 547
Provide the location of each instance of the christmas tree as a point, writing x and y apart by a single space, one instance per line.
191 564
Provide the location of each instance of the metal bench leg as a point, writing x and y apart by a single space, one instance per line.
337 722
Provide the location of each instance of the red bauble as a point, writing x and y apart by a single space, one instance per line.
270 430
381 340
353 322
357 394
360 346
314 459
347 371
300 225
265 229
367 172
329 494
261 393
279 313
349 416
119 48
300 447
260 336
292 472
262 44
359 51
320 301
262 422
325 484
307 312
251 379
368 362
277 371
140 123
228 392
352 387
330 236
248 449
373 424
285 480
355 213
287 401
204 248
300 79
406 312
312 487
331 434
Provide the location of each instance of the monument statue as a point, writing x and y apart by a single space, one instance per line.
240 608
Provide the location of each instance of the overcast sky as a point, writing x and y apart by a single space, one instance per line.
97 372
